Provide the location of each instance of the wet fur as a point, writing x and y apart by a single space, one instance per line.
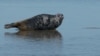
39 22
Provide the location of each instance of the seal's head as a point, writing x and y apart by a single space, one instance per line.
59 15
7 26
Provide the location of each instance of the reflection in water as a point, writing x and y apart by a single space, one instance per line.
39 42
42 34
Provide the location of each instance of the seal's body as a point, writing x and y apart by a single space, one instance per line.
38 22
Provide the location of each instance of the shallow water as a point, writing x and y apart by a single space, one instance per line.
79 34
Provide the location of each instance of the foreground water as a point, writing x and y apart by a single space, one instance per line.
79 34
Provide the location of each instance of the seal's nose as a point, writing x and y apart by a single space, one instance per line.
7 26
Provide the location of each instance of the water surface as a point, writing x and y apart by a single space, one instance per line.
79 34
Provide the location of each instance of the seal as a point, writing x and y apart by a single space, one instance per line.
38 22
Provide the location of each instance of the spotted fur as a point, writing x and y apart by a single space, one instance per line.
39 22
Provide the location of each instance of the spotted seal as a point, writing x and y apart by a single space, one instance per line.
38 22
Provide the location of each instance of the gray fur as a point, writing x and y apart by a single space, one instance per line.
44 21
